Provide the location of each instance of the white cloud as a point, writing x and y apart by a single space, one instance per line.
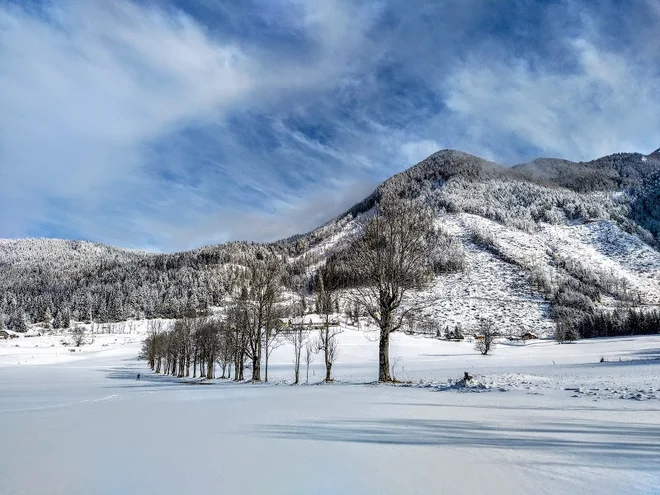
416 151
609 102
88 86
118 119
288 218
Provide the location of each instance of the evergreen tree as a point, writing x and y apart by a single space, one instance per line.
66 318
48 318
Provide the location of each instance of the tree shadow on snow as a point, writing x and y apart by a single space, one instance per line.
650 353
148 379
628 360
606 444
450 355
517 407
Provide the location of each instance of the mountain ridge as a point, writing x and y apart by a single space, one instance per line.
507 227
443 165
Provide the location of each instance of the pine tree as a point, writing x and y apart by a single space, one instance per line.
18 321
48 318
57 321
66 318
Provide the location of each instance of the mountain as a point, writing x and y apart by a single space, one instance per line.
655 154
527 245
609 173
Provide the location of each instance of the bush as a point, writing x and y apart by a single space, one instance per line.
78 335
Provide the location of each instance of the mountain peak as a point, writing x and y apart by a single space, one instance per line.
656 154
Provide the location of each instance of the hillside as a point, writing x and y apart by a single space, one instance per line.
533 242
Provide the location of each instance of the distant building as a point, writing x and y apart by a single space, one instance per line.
4 334
528 336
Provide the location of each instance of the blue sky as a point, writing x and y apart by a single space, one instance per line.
167 125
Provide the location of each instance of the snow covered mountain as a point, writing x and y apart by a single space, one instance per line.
528 244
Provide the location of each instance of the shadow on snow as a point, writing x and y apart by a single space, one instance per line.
613 444
149 379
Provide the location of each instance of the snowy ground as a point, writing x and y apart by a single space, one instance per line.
537 418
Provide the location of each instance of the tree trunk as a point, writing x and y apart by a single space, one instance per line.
239 366
236 353
384 356
266 365
256 367
297 362
326 353
182 367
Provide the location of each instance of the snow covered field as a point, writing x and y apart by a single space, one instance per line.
537 418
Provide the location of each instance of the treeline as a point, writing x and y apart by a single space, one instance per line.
645 208
257 321
81 281
619 323
192 343
609 173
246 332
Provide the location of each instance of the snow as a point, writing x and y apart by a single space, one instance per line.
499 290
538 417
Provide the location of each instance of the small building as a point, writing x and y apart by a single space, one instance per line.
4 334
528 336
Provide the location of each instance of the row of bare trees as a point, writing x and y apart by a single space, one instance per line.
202 345
392 255
191 343
245 337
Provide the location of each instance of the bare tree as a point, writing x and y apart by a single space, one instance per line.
297 334
393 257
226 353
328 344
298 337
326 305
485 340
209 333
272 339
395 362
257 316
237 322
150 345
184 334
309 357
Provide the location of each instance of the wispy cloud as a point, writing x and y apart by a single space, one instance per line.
168 126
